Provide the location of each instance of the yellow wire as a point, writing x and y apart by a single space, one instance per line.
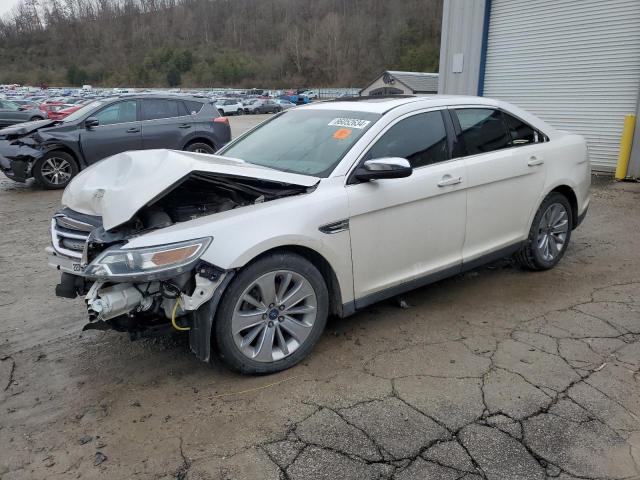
173 317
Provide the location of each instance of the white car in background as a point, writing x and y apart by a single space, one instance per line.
230 106
323 209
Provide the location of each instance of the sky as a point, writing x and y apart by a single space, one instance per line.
6 5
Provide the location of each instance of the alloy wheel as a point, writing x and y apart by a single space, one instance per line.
56 170
274 316
552 231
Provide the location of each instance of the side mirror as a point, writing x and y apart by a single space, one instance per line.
91 122
393 167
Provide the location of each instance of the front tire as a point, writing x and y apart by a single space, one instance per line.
549 234
271 315
55 170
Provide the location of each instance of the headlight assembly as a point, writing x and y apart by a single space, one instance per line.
149 263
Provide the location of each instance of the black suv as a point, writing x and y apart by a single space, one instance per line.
54 152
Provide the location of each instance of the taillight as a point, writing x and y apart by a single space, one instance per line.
221 120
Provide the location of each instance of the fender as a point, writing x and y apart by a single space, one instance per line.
47 146
336 253
565 182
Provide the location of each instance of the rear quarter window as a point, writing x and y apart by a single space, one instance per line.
522 133
192 107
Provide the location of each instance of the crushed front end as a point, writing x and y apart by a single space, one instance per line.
143 291
17 156
152 289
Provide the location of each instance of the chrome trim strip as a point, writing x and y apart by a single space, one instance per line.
335 227
55 241
67 222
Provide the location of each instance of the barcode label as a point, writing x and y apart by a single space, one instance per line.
349 122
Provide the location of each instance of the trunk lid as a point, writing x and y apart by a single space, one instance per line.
117 187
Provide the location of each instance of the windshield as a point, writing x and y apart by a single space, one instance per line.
304 141
81 112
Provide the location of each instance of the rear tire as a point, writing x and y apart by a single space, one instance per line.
283 320
200 147
55 170
549 234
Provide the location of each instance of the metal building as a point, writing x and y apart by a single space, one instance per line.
574 63
402 83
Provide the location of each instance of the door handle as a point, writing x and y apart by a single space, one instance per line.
185 125
133 130
533 161
448 180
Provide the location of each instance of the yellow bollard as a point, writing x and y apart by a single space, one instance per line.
625 146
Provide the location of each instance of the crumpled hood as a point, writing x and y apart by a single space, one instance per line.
22 129
117 187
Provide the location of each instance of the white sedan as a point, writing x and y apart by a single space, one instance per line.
321 210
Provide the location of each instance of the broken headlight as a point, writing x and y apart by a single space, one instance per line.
149 263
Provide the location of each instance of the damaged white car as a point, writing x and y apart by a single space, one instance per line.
321 210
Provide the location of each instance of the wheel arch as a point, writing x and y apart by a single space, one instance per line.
63 148
199 139
322 264
570 195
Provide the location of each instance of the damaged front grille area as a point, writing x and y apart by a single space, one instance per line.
69 235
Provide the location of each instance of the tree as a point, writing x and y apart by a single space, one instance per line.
265 43
76 76
173 77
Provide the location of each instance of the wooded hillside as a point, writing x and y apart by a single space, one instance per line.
244 43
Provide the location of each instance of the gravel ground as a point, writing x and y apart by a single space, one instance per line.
497 374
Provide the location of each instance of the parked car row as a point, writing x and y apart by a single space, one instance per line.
53 152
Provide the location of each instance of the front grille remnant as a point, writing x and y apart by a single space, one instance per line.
69 235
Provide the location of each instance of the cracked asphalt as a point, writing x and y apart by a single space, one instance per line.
495 374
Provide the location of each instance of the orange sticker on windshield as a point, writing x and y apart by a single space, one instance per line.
342 133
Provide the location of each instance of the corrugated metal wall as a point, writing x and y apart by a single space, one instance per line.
574 63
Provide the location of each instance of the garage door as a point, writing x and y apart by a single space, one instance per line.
574 63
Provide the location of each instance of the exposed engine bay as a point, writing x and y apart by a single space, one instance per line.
198 195
118 296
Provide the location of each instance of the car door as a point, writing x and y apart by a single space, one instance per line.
270 106
408 231
165 123
505 178
118 130
4 114
10 113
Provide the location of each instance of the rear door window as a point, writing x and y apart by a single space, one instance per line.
421 139
483 130
153 109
